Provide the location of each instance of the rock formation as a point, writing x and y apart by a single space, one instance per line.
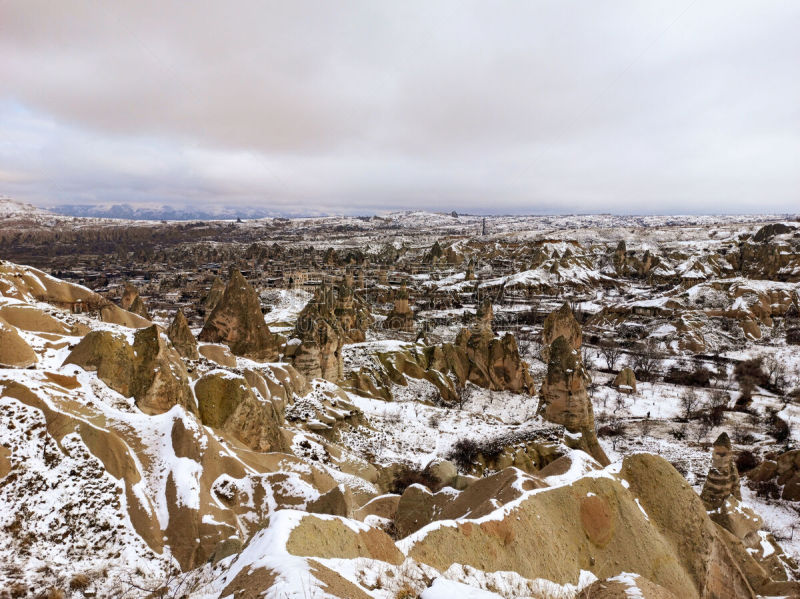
214 294
14 350
564 400
470 274
327 322
625 381
181 337
238 322
149 370
784 469
723 477
560 323
132 301
226 402
400 318
722 495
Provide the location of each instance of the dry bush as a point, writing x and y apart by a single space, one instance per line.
746 461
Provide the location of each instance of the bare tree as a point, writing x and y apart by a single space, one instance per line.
646 361
702 429
611 353
775 370
689 401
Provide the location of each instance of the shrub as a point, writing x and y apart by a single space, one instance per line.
746 461
749 374
767 489
463 454
612 429
678 434
699 377
411 476
777 427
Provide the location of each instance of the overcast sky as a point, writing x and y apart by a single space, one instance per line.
355 107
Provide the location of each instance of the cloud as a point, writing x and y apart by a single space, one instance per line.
360 106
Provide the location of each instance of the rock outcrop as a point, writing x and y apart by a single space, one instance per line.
331 319
401 317
227 403
149 369
625 381
214 294
564 400
14 350
181 337
237 321
132 301
560 323
319 351
722 495
784 470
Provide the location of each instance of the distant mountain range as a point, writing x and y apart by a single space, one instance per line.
149 212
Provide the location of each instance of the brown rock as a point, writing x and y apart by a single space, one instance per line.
625 381
625 587
226 402
150 370
14 350
564 399
217 353
132 301
562 323
214 294
400 318
238 322
181 336
338 501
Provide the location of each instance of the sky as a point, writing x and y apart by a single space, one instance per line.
351 107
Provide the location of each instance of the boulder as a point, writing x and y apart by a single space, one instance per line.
181 337
443 472
226 402
237 321
339 501
625 381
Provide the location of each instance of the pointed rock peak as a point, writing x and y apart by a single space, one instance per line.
723 441
560 323
214 294
238 322
132 302
181 337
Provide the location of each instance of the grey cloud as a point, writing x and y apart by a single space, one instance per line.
357 106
